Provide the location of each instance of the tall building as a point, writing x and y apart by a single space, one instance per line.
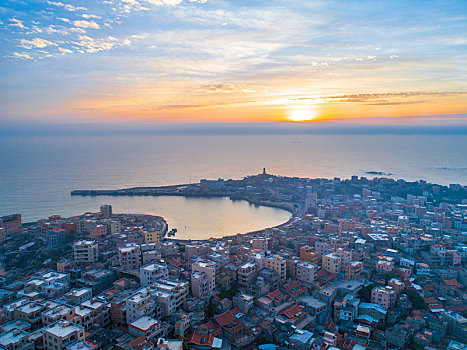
129 257
11 223
331 263
306 273
106 210
203 279
86 252
277 264
56 238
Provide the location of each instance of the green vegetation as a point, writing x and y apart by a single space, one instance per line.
210 310
389 275
229 293
364 294
416 299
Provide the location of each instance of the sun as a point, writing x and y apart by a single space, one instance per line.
301 114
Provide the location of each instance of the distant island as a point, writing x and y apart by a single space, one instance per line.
380 173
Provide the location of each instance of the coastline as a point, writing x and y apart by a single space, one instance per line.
156 192
183 190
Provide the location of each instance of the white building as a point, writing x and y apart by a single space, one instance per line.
142 303
86 251
170 295
152 272
143 326
60 334
129 257
306 273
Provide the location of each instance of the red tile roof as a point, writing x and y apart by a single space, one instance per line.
294 313
276 296
200 339
295 288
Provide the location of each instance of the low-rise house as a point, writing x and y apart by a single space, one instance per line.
143 326
59 335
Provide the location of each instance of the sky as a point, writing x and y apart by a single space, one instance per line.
151 62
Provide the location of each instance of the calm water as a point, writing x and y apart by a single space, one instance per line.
37 174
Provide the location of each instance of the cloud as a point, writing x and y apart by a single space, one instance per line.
91 45
68 7
170 107
143 5
370 97
226 88
171 2
63 50
86 24
17 23
85 15
386 99
36 43
22 55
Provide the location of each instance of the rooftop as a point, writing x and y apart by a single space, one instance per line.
62 329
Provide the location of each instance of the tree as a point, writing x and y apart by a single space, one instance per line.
210 310
364 294
229 293
389 276
416 299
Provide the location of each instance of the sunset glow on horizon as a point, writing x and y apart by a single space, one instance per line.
184 61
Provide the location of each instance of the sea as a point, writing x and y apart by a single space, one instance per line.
37 173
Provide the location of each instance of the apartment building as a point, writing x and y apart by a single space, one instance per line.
106 210
129 257
11 223
59 335
97 231
192 250
142 303
152 236
247 274
306 273
203 279
170 295
353 269
152 272
262 244
86 252
384 296
308 253
201 286
331 263
277 264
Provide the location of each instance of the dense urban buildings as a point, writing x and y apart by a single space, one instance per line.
362 264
